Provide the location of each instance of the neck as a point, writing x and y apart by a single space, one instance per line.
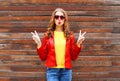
59 28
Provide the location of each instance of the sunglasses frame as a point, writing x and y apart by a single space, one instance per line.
59 16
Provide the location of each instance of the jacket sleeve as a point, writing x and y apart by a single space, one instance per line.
74 49
43 50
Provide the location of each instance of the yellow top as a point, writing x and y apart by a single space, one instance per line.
60 45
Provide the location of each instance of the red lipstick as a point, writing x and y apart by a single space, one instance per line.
59 22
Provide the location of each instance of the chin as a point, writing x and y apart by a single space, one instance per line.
59 24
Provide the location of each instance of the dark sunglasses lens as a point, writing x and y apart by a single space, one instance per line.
61 17
56 17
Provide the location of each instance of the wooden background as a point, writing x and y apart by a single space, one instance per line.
100 57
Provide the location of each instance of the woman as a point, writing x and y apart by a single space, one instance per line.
58 47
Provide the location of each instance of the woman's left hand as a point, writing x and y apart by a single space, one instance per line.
81 38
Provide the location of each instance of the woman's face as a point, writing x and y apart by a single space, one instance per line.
59 18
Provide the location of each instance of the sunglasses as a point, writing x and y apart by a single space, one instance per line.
57 17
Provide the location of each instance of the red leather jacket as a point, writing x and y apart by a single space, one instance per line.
47 51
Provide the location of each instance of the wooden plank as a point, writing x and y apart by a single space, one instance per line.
33 46
116 63
19 58
94 58
42 2
31 13
26 24
101 47
24 29
28 79
70 13
94 69
116 30
100 53
66 7
15 35
111 74
114 58
17 46
89 75
92 63
82 53
94 24
93 30
47 18
30 41
88 2
21 63
18 24
4 79
28 35
31 58
23 74
4 2
16 41
18 52
44 29
114 41
94 13
96 74
96 79
28 69
5 68
115 36
97 42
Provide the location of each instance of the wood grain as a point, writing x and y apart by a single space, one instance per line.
99 59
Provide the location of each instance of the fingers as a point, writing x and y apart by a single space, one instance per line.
36 32
80 34
32 33
83 34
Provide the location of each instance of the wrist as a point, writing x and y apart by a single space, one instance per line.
79 45
38 45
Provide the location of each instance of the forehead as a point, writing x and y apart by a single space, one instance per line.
59 13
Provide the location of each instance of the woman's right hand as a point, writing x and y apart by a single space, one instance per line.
36 38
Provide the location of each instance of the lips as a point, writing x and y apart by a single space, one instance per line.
59 22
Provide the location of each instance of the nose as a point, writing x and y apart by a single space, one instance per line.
59 18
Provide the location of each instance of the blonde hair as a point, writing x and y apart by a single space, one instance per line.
52 25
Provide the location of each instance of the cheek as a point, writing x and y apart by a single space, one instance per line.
56 21
62 21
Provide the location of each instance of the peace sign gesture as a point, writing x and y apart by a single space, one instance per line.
36 38
81 38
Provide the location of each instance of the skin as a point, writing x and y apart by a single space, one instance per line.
59 23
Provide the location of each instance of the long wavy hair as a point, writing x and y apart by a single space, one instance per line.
52 25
